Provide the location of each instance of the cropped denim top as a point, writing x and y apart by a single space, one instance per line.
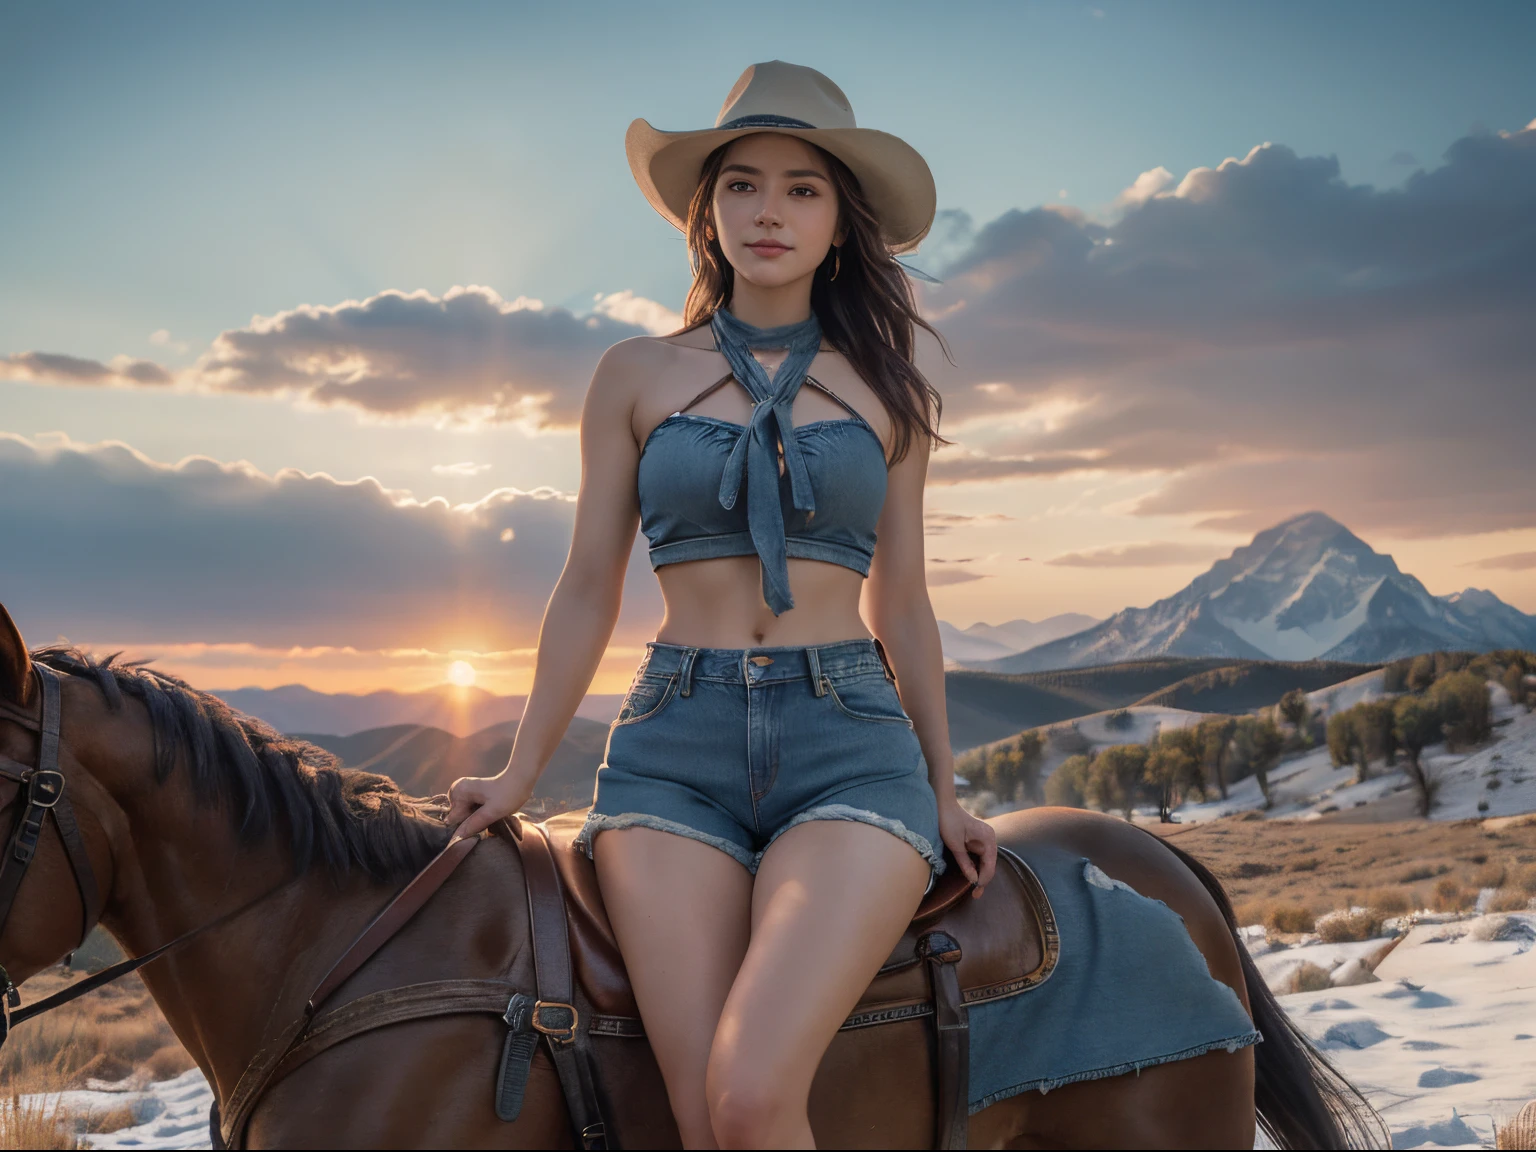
830 479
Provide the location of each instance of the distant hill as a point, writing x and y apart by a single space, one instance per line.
1250 684
424 760
994 641
1306 589
988 706
461 711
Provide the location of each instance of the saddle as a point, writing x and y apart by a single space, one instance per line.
957 952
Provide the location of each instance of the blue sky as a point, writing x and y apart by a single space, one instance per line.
173 172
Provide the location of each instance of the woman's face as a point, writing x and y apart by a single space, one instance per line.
775 209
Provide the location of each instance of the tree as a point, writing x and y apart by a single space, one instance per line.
1258 744
1374 721
1173 768
1462 700
1067 786
1343 738
1421 673
1514 682
1115 779
1030 751
1294 709
1416 723
1215 733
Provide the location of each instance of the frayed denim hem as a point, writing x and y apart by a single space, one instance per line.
1230 1044
864 816
597 822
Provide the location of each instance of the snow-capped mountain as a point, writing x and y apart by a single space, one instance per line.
992 641
1307 588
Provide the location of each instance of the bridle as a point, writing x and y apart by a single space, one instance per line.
42 793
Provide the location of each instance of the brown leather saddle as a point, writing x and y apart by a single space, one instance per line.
957 952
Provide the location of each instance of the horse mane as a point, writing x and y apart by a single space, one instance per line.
270 784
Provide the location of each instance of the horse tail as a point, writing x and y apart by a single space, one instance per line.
1302 1100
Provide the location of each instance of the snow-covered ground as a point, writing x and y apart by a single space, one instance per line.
167 1114
1443 1044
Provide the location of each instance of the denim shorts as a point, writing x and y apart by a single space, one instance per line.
734 746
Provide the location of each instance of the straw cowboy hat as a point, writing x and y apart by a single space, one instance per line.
796 101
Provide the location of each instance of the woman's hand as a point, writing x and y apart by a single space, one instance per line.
477 802
966 836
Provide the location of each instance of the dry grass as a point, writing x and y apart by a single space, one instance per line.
107 1035
1509 900
1342 927
1489 875
1519 1132
1289 918
1449 896
1390 901
1308 977
1377 857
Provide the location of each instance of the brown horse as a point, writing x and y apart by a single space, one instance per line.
189 811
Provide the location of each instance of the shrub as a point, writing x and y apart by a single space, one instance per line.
1417 872
1490 875
1389 901
1449 896
1308 977
1251 912
1118 720
1067 786
1305 864
1289 918
1343 927
1524 878
1509 900
1462 698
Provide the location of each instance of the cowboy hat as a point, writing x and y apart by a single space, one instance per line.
796 101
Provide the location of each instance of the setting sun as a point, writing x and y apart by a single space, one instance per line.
461 673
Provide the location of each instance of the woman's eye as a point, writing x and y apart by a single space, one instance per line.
802 188
739 186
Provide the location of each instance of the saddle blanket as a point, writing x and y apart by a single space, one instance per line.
1129 990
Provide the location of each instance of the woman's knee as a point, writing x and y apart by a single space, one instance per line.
749 1104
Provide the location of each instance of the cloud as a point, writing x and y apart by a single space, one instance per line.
1262 337
1513 562
55 367
938 523
464 356
939 574
1148 555
462 468
121 546
161 337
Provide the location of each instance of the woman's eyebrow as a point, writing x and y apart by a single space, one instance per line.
793 172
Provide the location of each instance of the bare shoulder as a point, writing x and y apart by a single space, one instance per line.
628 367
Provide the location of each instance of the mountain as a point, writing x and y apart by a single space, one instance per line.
993 641
1306 589
460 711
424 760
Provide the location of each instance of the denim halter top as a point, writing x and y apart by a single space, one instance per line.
823 505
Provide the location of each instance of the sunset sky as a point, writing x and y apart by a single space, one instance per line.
298 303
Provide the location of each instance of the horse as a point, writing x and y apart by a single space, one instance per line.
256 859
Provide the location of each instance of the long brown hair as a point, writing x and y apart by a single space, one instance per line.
867 314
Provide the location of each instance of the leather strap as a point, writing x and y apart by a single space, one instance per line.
558 1014
952 1028
394 916
273 1060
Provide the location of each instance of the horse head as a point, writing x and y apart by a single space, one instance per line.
57 816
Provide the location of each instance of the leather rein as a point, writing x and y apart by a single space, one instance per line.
41 794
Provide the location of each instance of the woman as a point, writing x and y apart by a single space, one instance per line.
769 811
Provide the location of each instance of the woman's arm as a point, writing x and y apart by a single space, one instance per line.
901 615
584 607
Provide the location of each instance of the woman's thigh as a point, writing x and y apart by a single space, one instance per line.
681 911
831 900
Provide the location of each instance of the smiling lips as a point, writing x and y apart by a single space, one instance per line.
768 248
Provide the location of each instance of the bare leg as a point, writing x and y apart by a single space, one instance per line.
681 912
831 900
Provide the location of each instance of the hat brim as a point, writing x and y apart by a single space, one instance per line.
892 174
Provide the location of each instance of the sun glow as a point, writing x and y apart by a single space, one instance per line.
461 673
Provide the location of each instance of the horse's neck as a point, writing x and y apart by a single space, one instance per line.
231 993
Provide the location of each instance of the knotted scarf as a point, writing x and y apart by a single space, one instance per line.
756 454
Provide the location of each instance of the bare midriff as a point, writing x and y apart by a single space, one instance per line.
719 604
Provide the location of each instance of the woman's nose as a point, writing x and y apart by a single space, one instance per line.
767 216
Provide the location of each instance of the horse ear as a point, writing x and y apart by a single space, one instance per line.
15 664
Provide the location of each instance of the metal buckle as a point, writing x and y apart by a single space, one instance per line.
562 1030
45 787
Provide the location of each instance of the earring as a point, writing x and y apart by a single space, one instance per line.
837 261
